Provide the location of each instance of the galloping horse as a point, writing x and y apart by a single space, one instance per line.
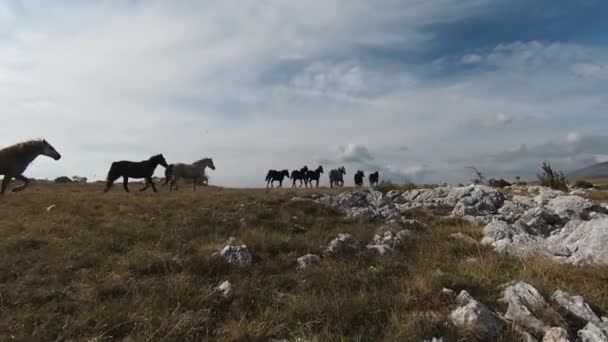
125 169
314 176
276 176
299 175
15 159
336 177
373 179
359 176
194 171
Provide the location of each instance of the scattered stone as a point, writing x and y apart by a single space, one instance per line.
297 229
391 239
594 332
308 260
225 288
344 243
575 306
475 317
466 239
236 254
380 249
556 334
522 298
447 292
50 208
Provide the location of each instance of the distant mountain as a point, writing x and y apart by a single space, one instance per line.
599 170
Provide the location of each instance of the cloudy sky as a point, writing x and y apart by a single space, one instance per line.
417 89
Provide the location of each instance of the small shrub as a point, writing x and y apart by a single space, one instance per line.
553 179
63 180
583 184
498 183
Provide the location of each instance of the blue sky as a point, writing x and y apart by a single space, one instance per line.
415 89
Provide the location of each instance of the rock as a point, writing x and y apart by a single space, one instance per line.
50 208
594 332
224 289
556 335
521 299
578 192
472 316
574 207
296 229
447 292
380 249
575 306
344 243
308 260
393 195
390 239
545 194
463 238
511 239
587 241
413 224
435 339
237 255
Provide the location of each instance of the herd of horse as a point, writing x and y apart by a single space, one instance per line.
306 177
15 159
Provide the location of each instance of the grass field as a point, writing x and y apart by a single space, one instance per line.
138 267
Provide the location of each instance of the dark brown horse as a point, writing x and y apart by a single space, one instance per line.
143 169
373 179
15 159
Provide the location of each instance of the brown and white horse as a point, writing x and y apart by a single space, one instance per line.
15 159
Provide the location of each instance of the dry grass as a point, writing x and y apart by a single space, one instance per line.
137 267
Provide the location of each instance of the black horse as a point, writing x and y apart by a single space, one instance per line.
359 176
125 169
276 176
299 175
314 176
373 179
336 177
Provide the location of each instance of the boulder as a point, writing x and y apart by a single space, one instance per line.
556 334
237 255
574 207
521 299
344 243
308 260
594 332
224 289
574 306
379 249
474 317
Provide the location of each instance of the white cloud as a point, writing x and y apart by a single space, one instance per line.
273 84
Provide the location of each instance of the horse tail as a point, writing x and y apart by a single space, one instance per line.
268 176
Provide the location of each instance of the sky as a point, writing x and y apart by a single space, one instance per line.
416 89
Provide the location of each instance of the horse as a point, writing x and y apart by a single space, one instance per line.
359 176
278 176
373 179
336 177
143 169
15 159
194 171
299 175
314 176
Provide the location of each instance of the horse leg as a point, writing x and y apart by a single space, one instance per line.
146 185
151 182
5 182
25 181
280 183
125 181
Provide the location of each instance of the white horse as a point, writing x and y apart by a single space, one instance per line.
194 171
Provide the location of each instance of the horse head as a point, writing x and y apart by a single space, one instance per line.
320 169
49 150
160 159
206 162
342 170
285 173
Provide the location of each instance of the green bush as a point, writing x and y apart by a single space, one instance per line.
553 179
583 184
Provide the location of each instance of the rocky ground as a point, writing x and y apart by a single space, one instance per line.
565 227
444 264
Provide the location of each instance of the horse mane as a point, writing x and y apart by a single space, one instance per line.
201 160
31 145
